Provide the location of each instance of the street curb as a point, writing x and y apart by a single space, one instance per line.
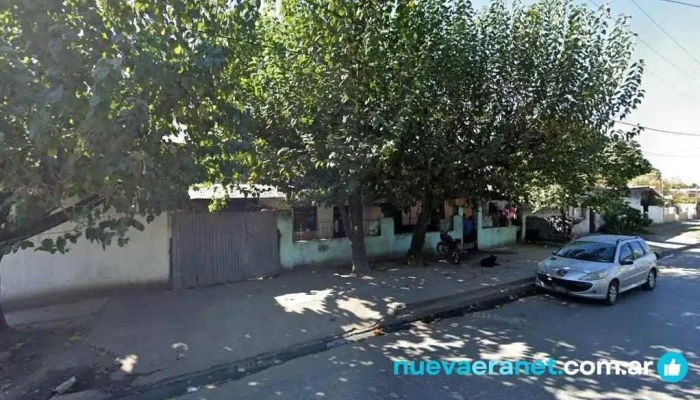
84 395
430 310
460 304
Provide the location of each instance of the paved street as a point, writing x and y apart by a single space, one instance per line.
642 326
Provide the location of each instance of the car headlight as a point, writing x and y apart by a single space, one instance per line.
594 276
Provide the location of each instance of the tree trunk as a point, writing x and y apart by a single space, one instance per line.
415 252
353 221
3 322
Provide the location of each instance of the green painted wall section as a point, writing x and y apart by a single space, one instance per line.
337 251
494 237
498 237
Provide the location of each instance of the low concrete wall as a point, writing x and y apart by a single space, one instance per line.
599 221
497 237
30 277
338 251
656 214
670 214
487 238
690 209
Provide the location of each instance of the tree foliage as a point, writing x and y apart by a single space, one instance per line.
102 106
319 93
593 82
112 109
106 111
512 102
622 219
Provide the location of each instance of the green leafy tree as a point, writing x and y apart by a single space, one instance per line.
320 90
106 110
593 81
510 102
426 59
652 179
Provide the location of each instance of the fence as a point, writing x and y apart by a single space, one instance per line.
219 247
552 229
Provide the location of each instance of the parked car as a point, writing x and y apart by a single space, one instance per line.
599 267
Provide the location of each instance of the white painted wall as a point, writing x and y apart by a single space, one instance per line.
86 267
599 220
656 214
583 228
670 214
635 200
690 209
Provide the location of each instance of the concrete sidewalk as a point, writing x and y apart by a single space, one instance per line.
159 336
673 236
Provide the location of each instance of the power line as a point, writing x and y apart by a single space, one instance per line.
674 87
658 53
665 32
671 155
682 3
657 130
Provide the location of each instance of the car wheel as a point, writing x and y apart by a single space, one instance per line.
613 293
650 284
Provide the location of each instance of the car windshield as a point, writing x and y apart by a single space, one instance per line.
589 251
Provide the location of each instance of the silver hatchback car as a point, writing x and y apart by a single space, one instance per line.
599 267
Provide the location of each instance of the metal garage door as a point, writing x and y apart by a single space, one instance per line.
210 248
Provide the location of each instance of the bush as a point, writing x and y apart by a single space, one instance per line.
625 220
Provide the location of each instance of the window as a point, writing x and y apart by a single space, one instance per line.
338 228
498 213
645 246
589 251
626 253
304 222
637 249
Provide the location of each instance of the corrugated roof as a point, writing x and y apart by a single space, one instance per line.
218 191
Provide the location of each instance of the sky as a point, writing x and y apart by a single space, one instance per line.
672 92
672 97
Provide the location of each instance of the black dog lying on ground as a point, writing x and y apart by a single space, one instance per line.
489 262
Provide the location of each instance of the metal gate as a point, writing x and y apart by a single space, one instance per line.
210 248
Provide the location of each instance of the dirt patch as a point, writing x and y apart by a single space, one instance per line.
34 360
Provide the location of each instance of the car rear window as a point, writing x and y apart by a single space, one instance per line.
588 251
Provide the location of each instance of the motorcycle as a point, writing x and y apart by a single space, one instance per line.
447 247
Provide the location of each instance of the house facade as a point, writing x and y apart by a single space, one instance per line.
31 277
659 210
253 236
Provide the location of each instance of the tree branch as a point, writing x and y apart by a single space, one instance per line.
8 237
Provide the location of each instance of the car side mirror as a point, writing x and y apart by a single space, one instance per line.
554 253
627 262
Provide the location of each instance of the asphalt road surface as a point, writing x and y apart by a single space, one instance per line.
642 326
